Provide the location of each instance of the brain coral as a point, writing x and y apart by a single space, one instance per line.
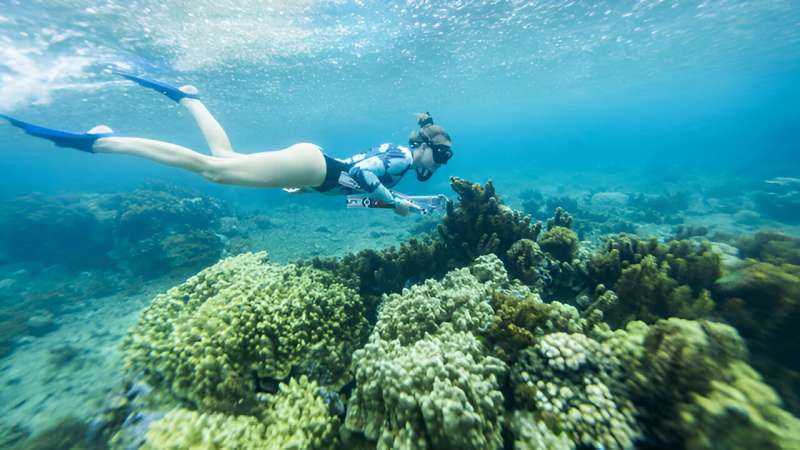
210 340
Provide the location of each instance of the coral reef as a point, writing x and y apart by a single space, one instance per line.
520 320
83 246
297 417
690 384
740 412
653 280
438 392
423 380
770 246
567 380
646 292
479 225
762 300
531 434
374 273
658 208
525 259
211 340
54 230
162 227
780 199
90 231
561 218
560 242
463 355
459 299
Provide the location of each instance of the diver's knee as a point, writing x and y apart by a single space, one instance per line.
215 172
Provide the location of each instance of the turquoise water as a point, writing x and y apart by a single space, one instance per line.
564 98
533 85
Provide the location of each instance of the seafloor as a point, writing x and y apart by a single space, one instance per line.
563 311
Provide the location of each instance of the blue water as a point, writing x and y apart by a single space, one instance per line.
529 85
564 97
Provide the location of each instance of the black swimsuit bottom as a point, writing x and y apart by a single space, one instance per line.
333 169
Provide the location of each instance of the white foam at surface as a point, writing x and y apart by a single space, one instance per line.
29 77
372 50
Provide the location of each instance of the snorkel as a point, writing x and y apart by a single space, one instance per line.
436 138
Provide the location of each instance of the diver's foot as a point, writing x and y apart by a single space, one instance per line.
189 90
79 141
175 94
101 129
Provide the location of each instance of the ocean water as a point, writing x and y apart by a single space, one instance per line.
691 105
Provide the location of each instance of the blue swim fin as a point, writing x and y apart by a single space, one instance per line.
174 93
79 141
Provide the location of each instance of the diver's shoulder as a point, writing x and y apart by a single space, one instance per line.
398 150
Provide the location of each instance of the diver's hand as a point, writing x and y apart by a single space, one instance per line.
402 207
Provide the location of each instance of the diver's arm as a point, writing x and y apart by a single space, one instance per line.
371 184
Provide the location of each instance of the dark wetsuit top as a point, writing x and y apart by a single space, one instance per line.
374 171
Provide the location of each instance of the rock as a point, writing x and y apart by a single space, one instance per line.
747 217
229 225
41 323
729 255
609 201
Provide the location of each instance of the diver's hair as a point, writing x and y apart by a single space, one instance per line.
428 132
424 119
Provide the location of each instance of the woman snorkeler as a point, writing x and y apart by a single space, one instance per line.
302 166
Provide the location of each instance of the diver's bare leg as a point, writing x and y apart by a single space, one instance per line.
215 135
298 166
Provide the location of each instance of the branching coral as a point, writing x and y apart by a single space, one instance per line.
524 259
653 280
212 338
647 292
561 218
560 242
478 225
482 224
